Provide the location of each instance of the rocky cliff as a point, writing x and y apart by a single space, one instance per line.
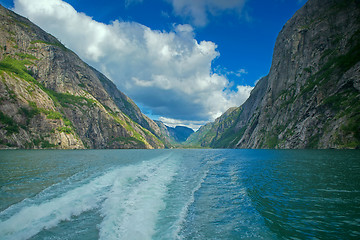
50 98
311 96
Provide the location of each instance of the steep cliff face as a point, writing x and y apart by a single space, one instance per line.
49 98
311 96
227 130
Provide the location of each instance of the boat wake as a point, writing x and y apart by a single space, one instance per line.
128 199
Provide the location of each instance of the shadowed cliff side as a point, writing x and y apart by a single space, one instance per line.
311 96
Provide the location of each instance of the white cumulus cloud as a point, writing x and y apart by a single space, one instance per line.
169 73
195 125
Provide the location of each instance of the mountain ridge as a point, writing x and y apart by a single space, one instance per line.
310 98
50 98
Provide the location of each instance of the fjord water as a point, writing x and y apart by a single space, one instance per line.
180 194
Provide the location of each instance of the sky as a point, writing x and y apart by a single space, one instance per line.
184 62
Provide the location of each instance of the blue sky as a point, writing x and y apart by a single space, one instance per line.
182 61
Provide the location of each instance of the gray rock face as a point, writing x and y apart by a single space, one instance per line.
311 96
50 98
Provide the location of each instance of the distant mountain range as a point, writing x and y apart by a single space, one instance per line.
50 98
174 137
311 96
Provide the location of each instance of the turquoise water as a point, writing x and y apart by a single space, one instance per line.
179 194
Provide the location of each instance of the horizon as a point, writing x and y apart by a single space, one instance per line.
182 62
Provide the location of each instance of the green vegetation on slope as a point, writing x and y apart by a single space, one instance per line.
18 67
336 65
223 133
57 44
229 135
11 126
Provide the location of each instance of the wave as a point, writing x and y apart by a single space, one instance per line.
131 208
128 198
179 224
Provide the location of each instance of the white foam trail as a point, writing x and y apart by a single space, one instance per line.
31 219
135 200
184 211
135 192
216 162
